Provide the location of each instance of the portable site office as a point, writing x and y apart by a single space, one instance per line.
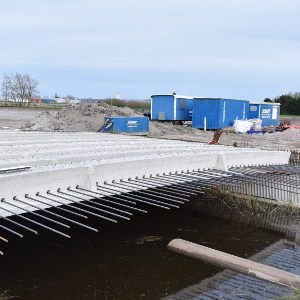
269 113
216 113
171 108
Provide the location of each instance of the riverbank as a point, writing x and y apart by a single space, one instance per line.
281 217
246 211
5 295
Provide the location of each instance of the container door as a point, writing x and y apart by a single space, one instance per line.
188 110
253 111
162 107
274 113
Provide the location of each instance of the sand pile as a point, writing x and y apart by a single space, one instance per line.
158 129
291 134
180 132
88 117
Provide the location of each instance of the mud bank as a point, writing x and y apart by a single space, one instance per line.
283 218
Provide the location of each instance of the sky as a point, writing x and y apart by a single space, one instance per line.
242 49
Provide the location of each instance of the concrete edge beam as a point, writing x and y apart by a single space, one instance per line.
30 183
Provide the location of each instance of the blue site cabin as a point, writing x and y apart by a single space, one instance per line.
171 108
269 113
218 112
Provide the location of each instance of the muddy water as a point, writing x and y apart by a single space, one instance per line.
124 261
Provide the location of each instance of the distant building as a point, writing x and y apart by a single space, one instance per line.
60 100
36 100
73 101
91 100
16 100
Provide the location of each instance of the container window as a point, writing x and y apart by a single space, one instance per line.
181 103
161 116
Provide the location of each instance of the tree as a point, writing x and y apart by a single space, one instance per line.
70 97
290 103
268 100
19 88
5 89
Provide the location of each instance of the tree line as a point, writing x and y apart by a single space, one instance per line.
289 103
22 88
19 88
134 104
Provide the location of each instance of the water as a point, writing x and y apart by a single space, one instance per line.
128 260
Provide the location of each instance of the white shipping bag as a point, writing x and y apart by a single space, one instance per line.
242 126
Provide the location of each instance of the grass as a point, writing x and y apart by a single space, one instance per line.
294 296
247 206
250 206
133 104
289 116
34 106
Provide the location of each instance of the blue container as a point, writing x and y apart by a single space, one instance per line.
171 108
126 125
269 113
48 101
218 112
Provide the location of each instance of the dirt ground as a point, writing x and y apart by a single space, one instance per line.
289 139
14 118
91 118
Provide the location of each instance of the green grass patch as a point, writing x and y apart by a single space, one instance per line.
294 296
133 104
289 116
33 106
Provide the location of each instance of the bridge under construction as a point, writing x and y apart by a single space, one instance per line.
57 180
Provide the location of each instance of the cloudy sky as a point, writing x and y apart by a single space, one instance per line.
244 49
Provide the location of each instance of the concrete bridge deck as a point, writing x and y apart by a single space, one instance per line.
61 160
40 170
